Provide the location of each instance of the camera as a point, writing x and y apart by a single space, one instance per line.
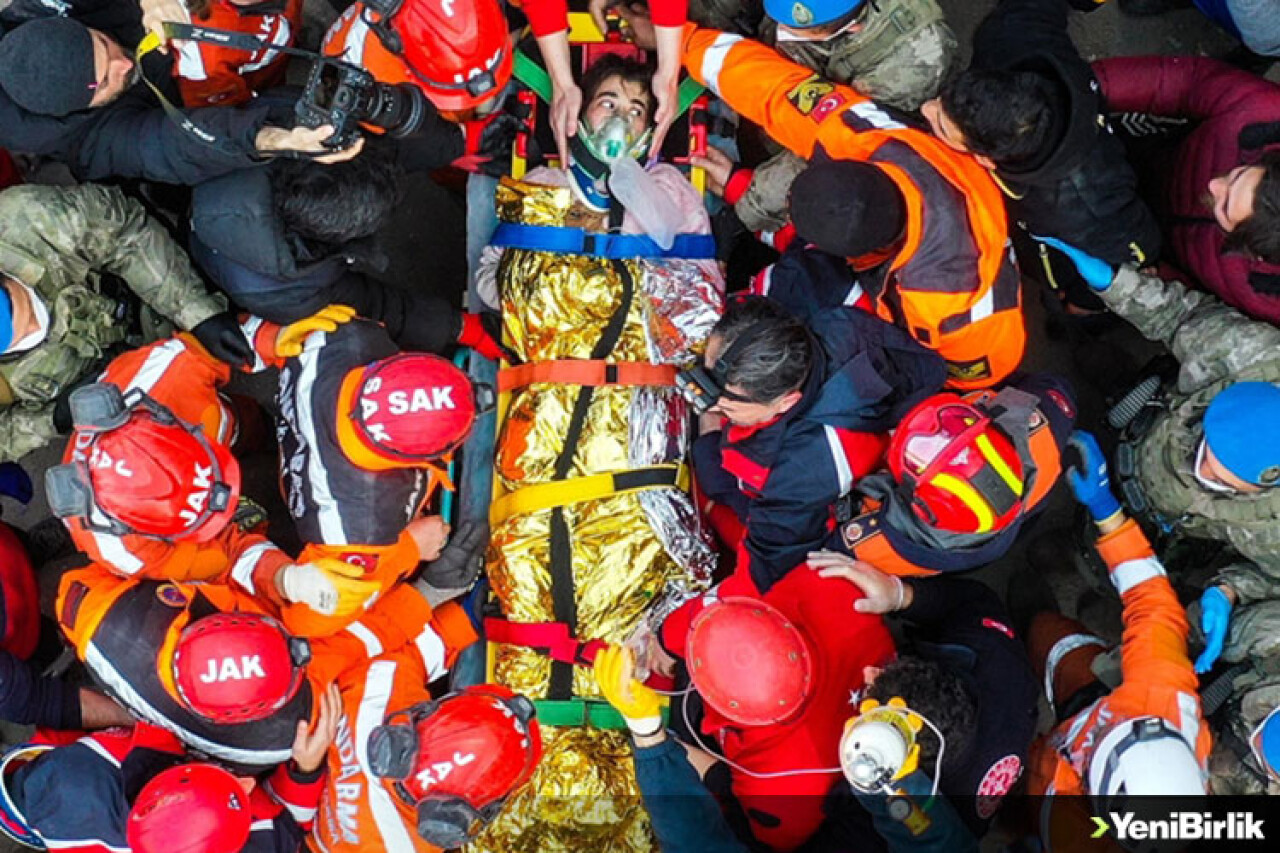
345 96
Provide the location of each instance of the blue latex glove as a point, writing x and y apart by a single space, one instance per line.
1090 481
1098 274
15 482
1215 618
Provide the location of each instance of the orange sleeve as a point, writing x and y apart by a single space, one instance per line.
387 564
791 103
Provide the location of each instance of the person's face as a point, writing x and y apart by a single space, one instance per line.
1231 195
616 96
743 413
112 68
824 32
942 125
1215 472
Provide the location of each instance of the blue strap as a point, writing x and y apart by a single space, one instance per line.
576 241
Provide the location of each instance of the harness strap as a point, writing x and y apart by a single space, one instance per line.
561 493
577 241
586 372
556 641
582 712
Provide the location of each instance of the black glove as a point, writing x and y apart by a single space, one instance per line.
221 336
460 562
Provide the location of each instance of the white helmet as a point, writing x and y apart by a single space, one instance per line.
1144 757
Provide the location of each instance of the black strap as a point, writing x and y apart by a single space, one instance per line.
563 591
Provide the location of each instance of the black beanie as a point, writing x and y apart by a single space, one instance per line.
847 208
46 66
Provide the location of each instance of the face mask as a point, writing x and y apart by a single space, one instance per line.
799 37
593 152
1211 485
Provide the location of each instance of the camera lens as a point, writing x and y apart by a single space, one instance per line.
397 109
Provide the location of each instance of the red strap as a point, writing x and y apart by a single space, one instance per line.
557 642
586 372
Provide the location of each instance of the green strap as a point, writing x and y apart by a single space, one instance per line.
582 712
533 75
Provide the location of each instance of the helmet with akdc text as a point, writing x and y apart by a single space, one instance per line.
456 760
458 52
238 667
191 808
749 662
135 467
1237 416
1144 756
960 471
802 14
404 411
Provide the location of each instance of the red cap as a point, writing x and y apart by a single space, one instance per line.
963 472
748 662
237 667
193 808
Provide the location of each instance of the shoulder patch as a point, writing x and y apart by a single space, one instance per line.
172 596
809 93
71 604
1060 400
996 782
988 622
969 371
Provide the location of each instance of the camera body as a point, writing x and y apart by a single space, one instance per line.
346 96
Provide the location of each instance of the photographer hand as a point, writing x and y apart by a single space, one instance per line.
304 140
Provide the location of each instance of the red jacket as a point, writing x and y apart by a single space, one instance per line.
211 74
1232 107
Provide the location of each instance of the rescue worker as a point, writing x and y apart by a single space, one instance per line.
459 55
794 417
211 74
1145 737
962 667
1199 469
409 772
133 789
896 52
58 245
214 665
149 486
686 816
1029 109
365 432
963 475
774 676
922 225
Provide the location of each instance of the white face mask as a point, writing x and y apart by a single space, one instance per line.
1211 485
787 34
41 315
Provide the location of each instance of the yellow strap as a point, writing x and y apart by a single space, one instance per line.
563 492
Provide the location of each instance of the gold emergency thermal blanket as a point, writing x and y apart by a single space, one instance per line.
634 555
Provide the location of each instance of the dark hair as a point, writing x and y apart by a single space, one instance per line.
613 65
1259 234
1008 116
776 360
335 204
938 694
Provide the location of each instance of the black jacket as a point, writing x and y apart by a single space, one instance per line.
132 137
1081 188
238 240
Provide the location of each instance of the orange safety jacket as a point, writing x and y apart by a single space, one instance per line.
211 74
866 537
953 285
180 374
126 631
352 39
358 811
1159 680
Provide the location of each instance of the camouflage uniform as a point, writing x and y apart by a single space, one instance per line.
899 55
1216 346
58 241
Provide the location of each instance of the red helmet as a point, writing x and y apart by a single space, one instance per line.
135 467
238 667
192 808
458 52
748 662
404 411
458 758
962 472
